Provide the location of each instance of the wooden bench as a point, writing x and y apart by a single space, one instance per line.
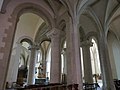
53 86
87 86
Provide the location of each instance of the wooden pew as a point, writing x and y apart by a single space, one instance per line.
87 86
53 86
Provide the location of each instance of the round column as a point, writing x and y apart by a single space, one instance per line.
108 83
74 70
31 72
87 61
55 72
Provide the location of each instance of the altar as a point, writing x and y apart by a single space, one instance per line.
40 81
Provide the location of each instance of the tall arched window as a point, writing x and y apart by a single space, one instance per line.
63 59
95 58
95 61
48 63
63 63
82 62
38 63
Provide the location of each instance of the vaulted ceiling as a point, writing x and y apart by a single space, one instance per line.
102 9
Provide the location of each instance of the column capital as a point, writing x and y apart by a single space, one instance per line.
18 43
63 51
55 33
86 43
34 46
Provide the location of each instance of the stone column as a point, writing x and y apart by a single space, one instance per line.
108 83
55 72
87 61
74 68
31 70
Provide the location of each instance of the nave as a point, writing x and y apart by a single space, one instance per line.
65 42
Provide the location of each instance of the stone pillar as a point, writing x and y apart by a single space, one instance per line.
108 83
55 72
31 70
74 68
87 61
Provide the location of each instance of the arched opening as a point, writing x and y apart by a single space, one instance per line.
27 26
48 63
23 50
95 61
63 64
88 32
43 63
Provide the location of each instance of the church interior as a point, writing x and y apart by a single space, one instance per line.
59 45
